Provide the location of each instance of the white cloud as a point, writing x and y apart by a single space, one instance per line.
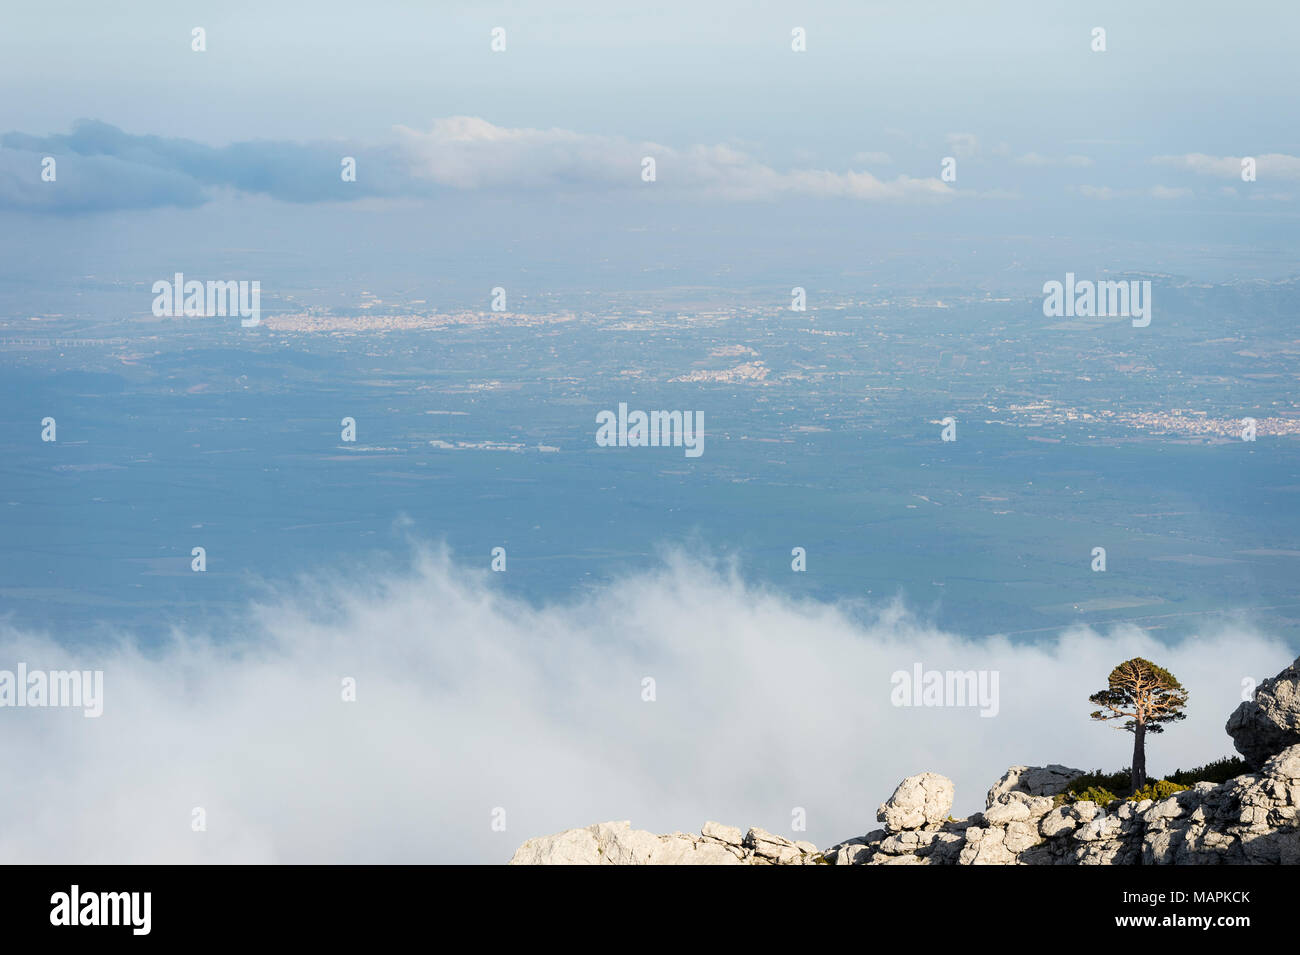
1269 165
466 152
470 700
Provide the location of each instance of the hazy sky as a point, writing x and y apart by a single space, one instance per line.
1049 137
1123 159
1217 74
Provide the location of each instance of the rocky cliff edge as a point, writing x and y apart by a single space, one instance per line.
1252 819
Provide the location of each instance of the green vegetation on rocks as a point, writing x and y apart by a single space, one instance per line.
1103 788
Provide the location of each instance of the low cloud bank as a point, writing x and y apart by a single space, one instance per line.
466 152
469 701
99 167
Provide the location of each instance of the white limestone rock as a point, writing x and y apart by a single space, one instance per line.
617 843
920 802
1033 780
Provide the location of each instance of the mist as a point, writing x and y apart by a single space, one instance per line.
469 701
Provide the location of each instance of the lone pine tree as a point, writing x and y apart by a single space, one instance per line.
1146 696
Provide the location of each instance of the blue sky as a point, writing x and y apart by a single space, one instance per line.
673 71
1131 149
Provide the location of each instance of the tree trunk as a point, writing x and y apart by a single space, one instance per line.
1139 772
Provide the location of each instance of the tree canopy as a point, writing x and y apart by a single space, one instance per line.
1140 692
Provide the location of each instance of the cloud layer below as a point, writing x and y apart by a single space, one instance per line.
469 700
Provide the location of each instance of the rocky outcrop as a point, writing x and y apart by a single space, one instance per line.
1271 721
617 843
1016 828
919 802
1252 819
1033 781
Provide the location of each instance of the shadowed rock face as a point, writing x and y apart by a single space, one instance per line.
1271 722
1251 820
